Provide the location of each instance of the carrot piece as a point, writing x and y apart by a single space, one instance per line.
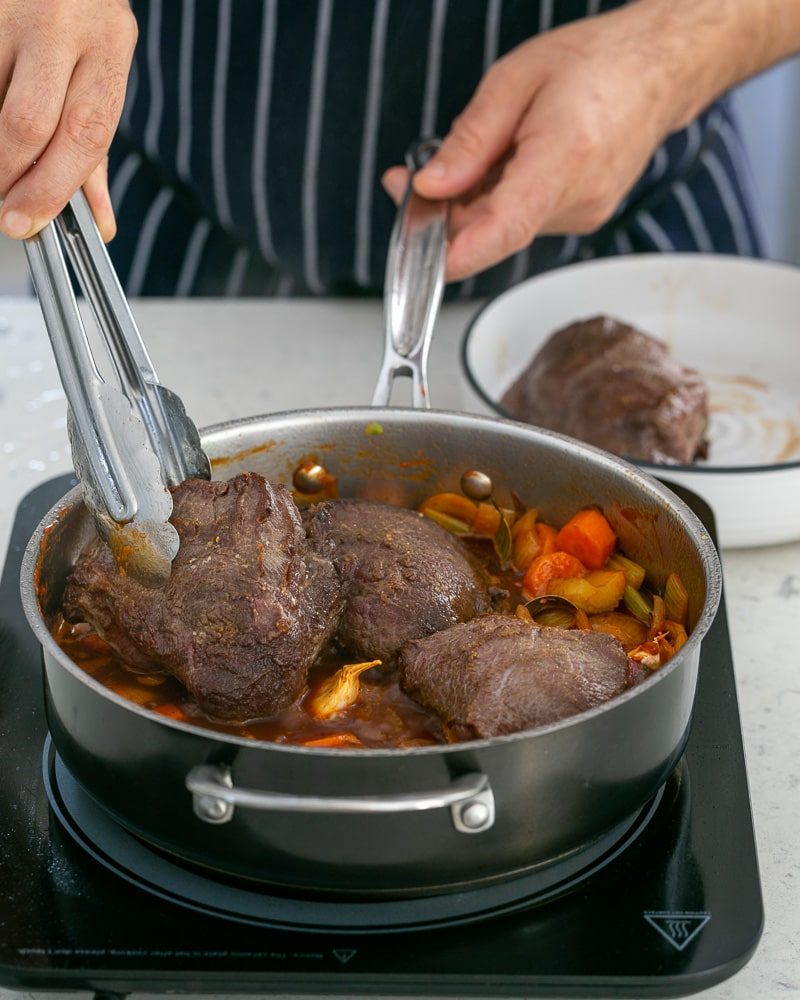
589 537
547 538
546 568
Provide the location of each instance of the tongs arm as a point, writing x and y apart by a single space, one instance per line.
79 375
173 437
129 443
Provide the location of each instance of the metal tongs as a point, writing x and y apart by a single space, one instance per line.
414 284
129 443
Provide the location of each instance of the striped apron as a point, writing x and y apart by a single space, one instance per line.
255 133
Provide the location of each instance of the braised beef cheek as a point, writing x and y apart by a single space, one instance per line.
403 575
246 611
611 385
498 674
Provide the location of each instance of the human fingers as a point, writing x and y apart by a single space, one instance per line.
96 40
506 219
92 107
395 182
483 132
95 187
30 114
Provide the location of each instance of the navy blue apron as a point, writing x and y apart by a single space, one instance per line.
255 133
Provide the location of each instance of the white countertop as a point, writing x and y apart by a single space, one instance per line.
234 359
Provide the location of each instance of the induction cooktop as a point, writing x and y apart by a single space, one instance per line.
667 904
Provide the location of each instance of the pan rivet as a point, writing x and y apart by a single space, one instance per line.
211 808
474 815
476 485
309 477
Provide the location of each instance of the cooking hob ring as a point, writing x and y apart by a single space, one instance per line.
138 863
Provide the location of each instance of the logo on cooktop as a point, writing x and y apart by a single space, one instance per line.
344 954
679 928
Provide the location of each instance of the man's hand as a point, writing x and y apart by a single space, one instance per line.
63 72
560 129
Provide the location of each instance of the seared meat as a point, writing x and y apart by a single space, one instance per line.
613 386
403 575
499 674
246 610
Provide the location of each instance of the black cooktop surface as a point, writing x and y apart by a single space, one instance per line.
670 905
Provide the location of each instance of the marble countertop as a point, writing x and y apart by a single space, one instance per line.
233 359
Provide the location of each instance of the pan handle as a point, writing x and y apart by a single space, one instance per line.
214 797
414 285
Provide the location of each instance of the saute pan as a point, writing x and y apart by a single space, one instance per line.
410 821
401 822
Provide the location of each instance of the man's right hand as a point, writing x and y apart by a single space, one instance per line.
63 72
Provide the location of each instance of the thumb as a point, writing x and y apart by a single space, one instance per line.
478 138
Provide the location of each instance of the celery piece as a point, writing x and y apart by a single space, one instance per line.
638 604
634 573
452 524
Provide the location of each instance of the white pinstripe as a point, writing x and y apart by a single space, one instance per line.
545 15
146 241
156 108
730 203
740 162
654 231
130 95
622 242
491 33
433 69
694 139
369 142
284 286
660 164
192 256
592 8
519 268
236 274
313 142
183 150
261 131
123 178
218 144
694 218
568 250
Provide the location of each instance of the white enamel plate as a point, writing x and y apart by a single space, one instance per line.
734 319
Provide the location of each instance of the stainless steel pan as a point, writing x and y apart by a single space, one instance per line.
389 822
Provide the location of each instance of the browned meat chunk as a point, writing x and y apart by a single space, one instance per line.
402 574
499 674
246 610
613 386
